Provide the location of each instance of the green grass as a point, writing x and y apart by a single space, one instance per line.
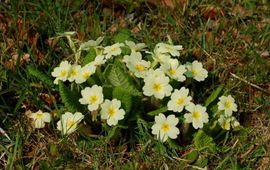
233 42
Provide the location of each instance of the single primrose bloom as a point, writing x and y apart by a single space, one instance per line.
169 48
179 99
92 97
99 60
135 47
61 72
85 72
157 84
197 71
197 115
74 72
227 104
226 122
111 112
113 50
174 70
136 65
39 119
69 122
165 128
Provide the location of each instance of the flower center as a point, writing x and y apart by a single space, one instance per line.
194 72
113 49
39 116
73 73
180 101
92 99
157 87
111 111
63 73
196 115
70 123
165 127
86 75
227 104
226 125
139 67
172 71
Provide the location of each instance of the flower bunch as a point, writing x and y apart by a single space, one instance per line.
133 74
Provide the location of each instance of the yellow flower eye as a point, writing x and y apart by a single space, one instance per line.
157 87
196 115
165 127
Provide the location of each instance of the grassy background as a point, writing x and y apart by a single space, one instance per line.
227 36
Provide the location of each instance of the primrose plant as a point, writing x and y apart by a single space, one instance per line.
126 81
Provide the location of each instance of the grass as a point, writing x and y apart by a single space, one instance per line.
228 36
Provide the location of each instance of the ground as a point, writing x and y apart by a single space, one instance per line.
231 38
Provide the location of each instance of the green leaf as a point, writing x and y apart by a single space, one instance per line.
203 142
122 36
111 133
192 156
124 96
70 98
156 112
40 75
214 95
91 55
116 76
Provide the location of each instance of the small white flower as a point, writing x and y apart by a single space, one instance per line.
197 115
160 57
157 84
110 110
85 72
136 65
93 97
74 72
61 72
179 99
165 128
169 48
227 104
113 50
226 122
197 71
68 122
135 47
174 70
39 119
99 60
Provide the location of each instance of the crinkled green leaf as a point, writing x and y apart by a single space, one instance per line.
40 75
70 98
203 142
124 96
122 36
116 76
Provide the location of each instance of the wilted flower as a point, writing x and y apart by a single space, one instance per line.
227 104
226 122
110 111
93 97
197 115
61 72
68 122
165 128
197 71
39 118
179 99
